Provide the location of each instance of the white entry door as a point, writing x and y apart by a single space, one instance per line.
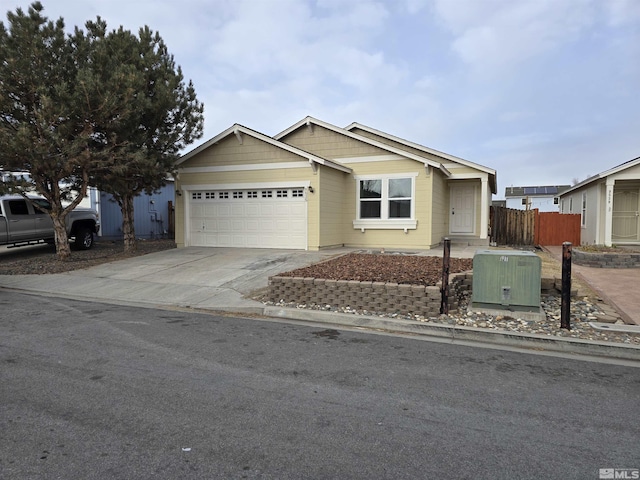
266 218
463 213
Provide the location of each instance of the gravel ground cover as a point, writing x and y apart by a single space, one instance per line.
42 259
415 269
363 267
420 270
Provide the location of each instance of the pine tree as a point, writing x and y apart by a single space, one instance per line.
162 117
43 112
107 109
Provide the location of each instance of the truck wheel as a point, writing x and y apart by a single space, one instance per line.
84 239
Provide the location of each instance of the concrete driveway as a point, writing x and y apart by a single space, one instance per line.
198 277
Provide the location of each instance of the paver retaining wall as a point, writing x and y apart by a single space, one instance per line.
370 296
605 260
379 297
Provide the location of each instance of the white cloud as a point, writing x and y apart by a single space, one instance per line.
497 34
541 90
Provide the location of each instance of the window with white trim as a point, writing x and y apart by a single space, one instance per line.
267 193
196 195
223 195
282 193
385 198
237 194
583 219
297 193
252 194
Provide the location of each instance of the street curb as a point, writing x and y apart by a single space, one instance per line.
457 333
441 332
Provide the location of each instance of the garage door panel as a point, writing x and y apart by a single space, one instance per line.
245 221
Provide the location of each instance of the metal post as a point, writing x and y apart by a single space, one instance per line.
565 293
444 289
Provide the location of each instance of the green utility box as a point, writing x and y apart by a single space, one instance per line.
506 278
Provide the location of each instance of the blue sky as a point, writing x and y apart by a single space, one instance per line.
543 91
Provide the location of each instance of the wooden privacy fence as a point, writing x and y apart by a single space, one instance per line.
512 227
531 227
554 228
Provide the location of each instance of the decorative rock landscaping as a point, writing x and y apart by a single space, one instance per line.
583 311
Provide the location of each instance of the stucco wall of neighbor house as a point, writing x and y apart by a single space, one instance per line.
589 232
329 144
592 230
543 204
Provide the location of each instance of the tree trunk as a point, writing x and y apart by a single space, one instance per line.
63 248
127 224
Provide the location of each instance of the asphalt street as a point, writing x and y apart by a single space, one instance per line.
98 391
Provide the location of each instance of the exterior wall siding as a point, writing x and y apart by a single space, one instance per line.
439 207
380 238
329 144
398 145
331 191
151 214
231 152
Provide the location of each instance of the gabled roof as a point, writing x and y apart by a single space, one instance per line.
239 130
431 151
355 136
605 174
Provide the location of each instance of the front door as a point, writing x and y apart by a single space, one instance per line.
626 213
463 213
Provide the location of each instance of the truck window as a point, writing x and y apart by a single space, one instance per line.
18 207
42 203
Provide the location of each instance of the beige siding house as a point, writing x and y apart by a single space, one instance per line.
609 205
316 185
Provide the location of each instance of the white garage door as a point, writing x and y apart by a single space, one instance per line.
269 218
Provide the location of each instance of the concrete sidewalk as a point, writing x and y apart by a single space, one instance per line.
619 287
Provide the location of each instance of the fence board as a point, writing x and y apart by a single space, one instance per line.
512 227
553 228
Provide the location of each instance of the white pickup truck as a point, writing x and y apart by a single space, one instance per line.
23 224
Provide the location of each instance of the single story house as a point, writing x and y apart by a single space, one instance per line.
609 204
316 185
545 197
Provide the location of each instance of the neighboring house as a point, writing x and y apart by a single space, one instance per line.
151 214
609 204
544 198
316 185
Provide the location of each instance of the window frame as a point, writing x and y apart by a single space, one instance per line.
583 210
385 221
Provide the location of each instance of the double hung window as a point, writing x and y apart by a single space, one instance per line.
385 201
